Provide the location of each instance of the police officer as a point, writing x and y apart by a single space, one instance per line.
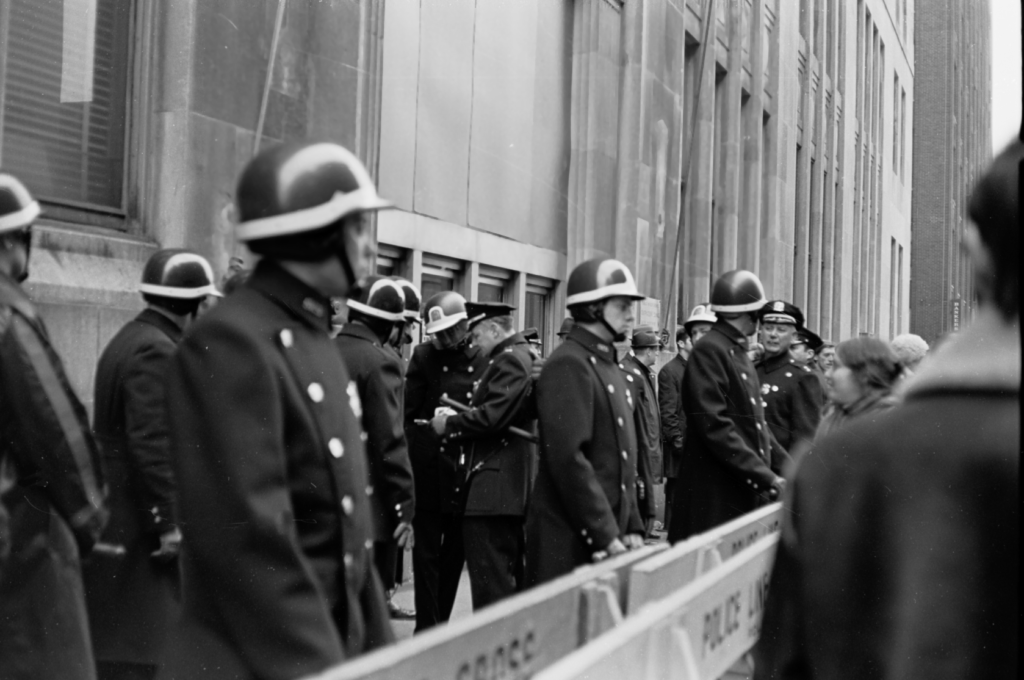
638 365
446 366
51 479
273 485
133 597
376 317
584 501
792 393
670 398
727 453
498 465
805 347
411 314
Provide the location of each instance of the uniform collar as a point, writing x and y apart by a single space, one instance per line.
161 322
592 343
362 331
301 300
731 332
777 362
12 294
514 339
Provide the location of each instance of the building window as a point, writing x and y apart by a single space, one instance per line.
896 130
389 260
538 309
64 90
439 274
493 284
903 127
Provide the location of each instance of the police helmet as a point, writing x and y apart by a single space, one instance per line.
412 299
178 273
700 314
736 292
17 207
599 279
380 298
292 197
443 310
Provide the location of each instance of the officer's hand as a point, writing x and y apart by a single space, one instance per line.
535 371
404 536
678 443
437 423
641 489
778 486
616 547
633 541
170 546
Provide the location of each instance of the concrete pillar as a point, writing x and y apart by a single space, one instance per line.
627 165
803 169
750 207
821 152
727 201
697 263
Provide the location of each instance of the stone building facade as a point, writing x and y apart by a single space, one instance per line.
952 146
517 137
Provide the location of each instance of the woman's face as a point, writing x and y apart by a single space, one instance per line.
843 386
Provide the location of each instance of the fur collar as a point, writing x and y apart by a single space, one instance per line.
984 356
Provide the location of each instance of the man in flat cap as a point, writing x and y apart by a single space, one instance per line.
497 466
791 392
563 331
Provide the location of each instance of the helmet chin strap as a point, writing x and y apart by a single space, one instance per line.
617 336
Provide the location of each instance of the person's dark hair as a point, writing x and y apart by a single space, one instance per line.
872 361
824 346
173 305
994 207
682 334
315 245
586 312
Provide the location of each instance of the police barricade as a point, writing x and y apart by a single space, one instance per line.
666 573
697 633
511 639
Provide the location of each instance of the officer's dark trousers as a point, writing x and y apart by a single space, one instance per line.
670 487
495 554
385 557
437 560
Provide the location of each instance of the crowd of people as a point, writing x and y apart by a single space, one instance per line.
263 453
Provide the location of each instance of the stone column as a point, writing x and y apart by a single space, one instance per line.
750 222
627 159
821 154
727 203
696 266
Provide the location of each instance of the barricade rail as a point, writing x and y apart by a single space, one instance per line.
526 634
697 633
511 639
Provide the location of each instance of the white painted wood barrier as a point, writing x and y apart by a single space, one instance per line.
696 633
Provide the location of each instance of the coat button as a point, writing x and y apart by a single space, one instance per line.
470 369
743 375
316 392
611 389
788 374
336 447
629 378
347 505
625 456
469 395
590 541
593 361
620 421
362 436
753 402
583 531
758 425
369 491
368 545
398 507
444 368
287 340
348 560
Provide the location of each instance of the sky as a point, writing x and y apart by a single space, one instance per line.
1006 72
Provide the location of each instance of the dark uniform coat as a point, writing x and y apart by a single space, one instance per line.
377 371
585 494
728 450
51 486
273 490
500 465
792 401
900 548
647 421
132 598
438 557
673 417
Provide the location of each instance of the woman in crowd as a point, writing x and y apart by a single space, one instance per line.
861 382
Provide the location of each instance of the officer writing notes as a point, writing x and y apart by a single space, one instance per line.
273 484
446 366
376 317
51 482
584 501
728 449
133 596
498 465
